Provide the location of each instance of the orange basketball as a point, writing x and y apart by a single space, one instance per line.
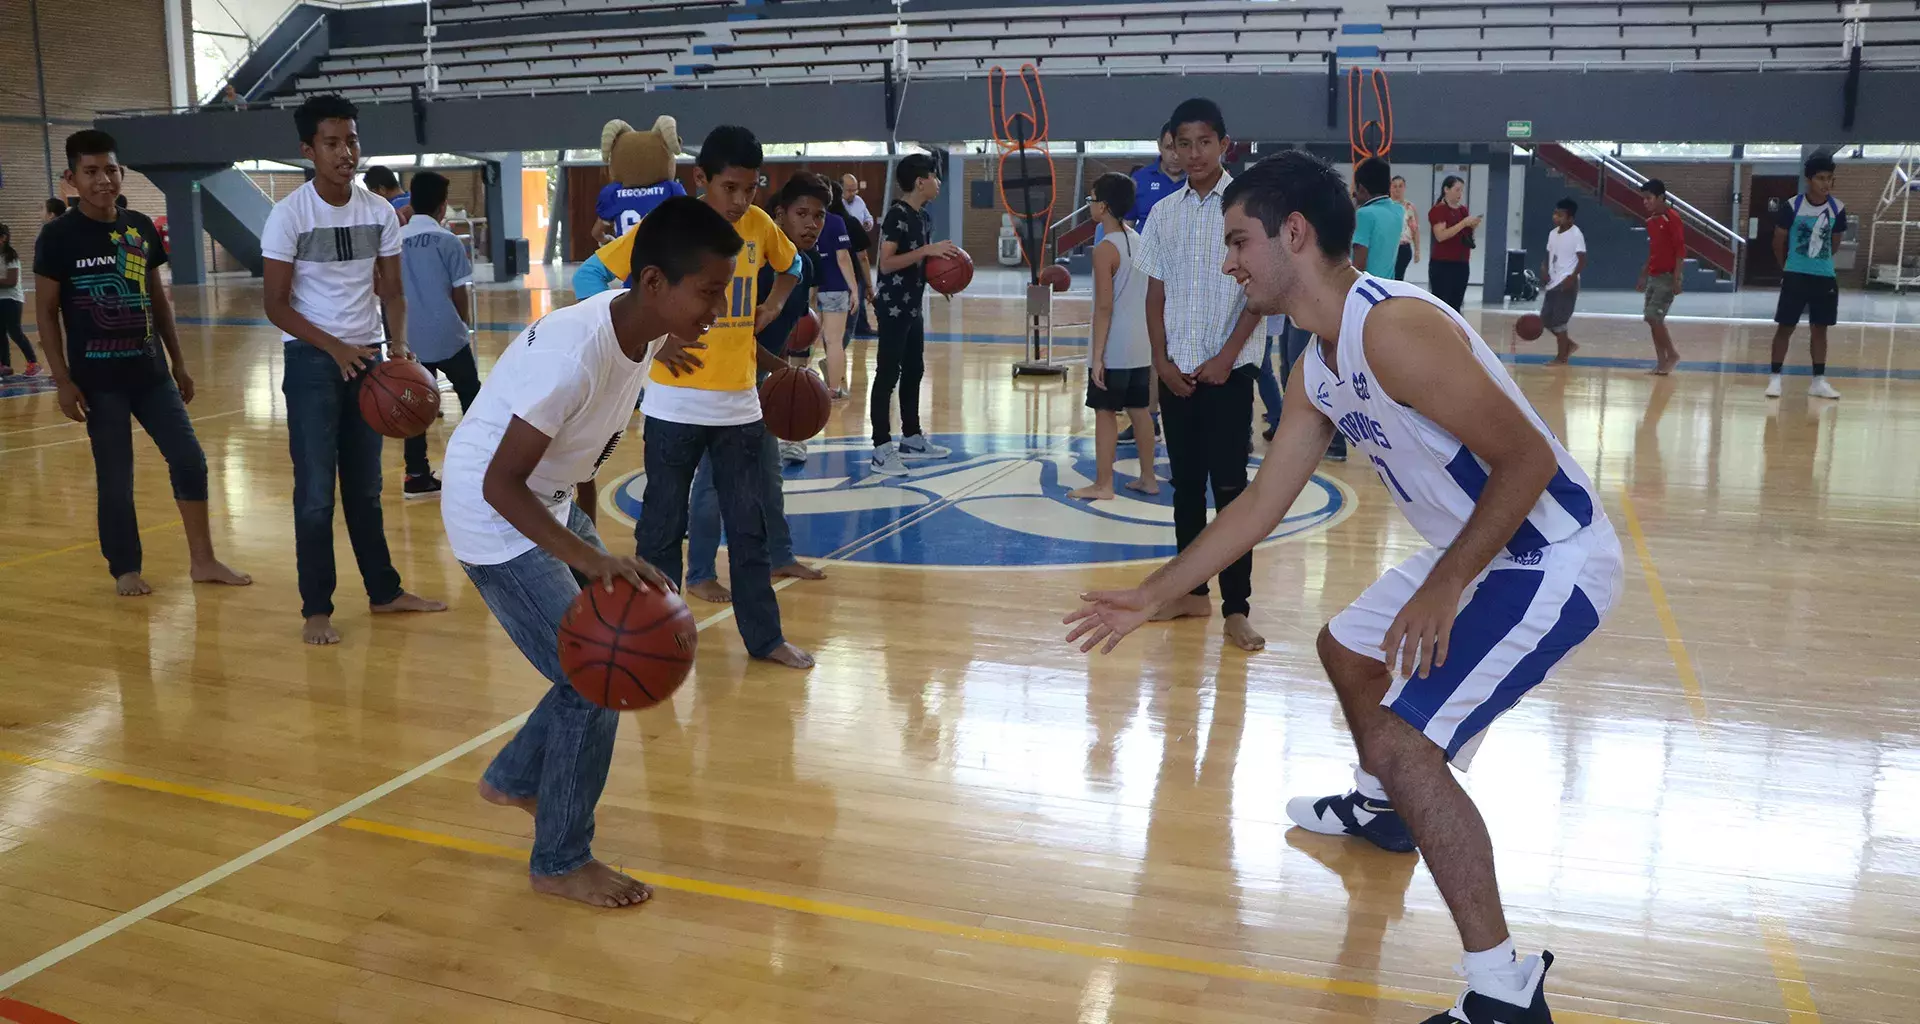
949 275
1057 277
398 398
795 403
806 331
1528 327
627 648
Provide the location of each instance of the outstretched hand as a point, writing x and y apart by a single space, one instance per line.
1107 616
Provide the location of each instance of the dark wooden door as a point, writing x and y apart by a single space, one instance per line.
1764 197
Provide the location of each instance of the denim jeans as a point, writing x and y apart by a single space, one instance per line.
465 375
327 436
1270 383
902 362
562 753
674 452
1293 342
704 531
110 416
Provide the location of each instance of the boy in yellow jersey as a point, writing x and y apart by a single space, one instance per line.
713 410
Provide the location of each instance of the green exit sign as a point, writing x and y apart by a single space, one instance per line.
1519 129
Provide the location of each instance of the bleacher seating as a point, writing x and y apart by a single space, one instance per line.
551 45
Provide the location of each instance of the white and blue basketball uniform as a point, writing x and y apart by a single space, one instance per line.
1537 601
622 205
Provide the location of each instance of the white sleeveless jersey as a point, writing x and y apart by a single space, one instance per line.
1432 476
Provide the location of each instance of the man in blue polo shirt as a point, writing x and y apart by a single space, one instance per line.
1156 181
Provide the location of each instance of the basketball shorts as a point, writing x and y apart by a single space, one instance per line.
1517 620
1126 389
1813 295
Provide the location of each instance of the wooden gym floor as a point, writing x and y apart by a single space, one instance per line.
1712 813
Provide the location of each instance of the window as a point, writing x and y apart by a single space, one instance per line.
1773 151
1682 150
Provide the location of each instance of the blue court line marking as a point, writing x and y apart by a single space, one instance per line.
1521 359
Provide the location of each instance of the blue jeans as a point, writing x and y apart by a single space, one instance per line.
1270 384
326 435
562 754
704 532
110 416
1293 342
674 451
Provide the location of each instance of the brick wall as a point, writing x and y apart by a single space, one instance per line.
1708 186
82 80
1859 187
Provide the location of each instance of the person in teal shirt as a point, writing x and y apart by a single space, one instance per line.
1377 221
1805 230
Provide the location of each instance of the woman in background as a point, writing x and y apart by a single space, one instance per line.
13 303
1451 265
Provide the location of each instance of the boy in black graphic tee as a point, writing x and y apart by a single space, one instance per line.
904 249
101 305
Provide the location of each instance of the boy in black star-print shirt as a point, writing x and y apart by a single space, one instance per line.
904 250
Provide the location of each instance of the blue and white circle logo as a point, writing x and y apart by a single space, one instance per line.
1000 501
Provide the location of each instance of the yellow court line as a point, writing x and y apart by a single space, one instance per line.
1795 994
823 908
83 546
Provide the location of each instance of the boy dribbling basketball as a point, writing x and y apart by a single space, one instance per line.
550 414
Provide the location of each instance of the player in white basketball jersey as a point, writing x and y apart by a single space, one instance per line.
1522 565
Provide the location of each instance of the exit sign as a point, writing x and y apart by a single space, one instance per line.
1519 129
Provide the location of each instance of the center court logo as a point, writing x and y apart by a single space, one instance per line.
999 502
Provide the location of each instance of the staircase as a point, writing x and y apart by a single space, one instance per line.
235 211
1713 247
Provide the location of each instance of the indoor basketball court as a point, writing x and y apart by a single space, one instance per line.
1709 813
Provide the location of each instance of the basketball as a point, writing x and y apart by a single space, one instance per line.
950 275
398 398
627 648
795 403
805 332
1057 277
1528 327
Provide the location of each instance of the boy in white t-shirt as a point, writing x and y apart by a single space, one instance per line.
332 254
551 412
1566 260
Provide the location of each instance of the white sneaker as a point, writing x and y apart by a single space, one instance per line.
794 452
1773 386
886 461
1821 389
918 447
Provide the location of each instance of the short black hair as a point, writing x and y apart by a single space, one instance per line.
730 145
56 206
1654 187
678 235
804 185
87 142
307 116
1399 178
1167 129
1297 182
1819 162
1375 175
1572 208
1116 190
911 169
429 191
381 176
1201 110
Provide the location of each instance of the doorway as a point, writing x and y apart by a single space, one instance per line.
1765 195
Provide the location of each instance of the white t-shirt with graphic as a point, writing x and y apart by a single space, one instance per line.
568 378
1563 254
332 249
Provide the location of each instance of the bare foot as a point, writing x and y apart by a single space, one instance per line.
798 571
494 796
1092 492
710 591
1665 366
319 631
1189 606
595 884
131 585
409 603
1239 632
790 656
214 571
1145 485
